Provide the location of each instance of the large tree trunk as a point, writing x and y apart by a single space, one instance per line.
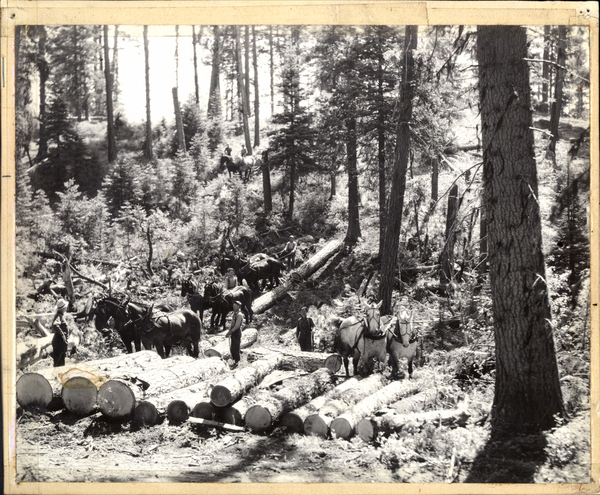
214 93
318 423
232 388
247 66
266 176
297 360
344 425
148 143
381 149
546 70
556 107
256 92
115 64
264 302
243 91
527 393
110 122
353 232
294 420
178 121
196 86
271 70
395 204
447 255
249 337
272 406
44 73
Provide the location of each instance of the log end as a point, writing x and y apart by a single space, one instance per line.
204 410
33 391
212 353
258 418
116 400
292 423
220 396
333 363
315 425
145 414
341 428
178 412
230 415
79 395
367 430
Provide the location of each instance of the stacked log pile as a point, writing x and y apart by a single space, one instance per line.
294 360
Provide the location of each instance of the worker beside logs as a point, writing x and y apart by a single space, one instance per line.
304 331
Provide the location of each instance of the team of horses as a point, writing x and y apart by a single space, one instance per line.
241 165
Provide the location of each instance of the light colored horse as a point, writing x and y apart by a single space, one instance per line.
402 342
363 338
244 165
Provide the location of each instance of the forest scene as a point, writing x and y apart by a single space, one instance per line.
397 216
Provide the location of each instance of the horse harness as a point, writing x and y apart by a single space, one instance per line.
412 335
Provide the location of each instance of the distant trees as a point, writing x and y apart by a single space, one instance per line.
527 392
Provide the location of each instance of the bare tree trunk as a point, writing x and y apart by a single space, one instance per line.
256 92
178 122
435 174
44 73
266 176
271 69
112 142
353 232
243 91
527 392
247 65
196 87
214 94
447 255
381 150
150 251
556 107
545 70
389 253
115 64
148 144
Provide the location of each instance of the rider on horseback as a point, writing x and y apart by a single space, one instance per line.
227 150
231 280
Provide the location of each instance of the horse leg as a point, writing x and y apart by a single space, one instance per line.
160 349
355 360
346 364
167 349
410 367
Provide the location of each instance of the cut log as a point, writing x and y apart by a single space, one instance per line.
272 406
294 420
178 412
368 428
264 302
34 392
249 337
116 399
145 414
294 360
318 423
344 425
233 387
79 396
204 410
418 402
279 376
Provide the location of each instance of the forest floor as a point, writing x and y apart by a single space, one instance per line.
58 446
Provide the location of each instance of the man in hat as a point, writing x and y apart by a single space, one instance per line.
290 253
304 331
235 334
61 334
231 280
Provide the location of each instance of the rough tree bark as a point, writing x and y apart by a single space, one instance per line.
527 392
395 203
148 143
110 122
266 177
353 232
214 93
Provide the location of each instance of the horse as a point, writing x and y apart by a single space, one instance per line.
234 262
245 167
197 302
222 300
403 342
265 269
126 316
363 338
166 329
227 162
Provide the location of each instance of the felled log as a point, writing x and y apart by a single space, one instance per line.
368 428
80 395
249 337
294 360
318 423
344 425
417 402
233 387
294 420
145 414
264 302
116 399
33 350
273 405
33 391
215 424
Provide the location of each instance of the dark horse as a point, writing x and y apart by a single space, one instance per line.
222 300
258 267
197 302
166 329
126 317
232 168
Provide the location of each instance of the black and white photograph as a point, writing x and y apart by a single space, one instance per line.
299 253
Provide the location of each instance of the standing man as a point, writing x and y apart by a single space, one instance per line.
244 152
235 334
304 331
228 150
290 253
61 334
